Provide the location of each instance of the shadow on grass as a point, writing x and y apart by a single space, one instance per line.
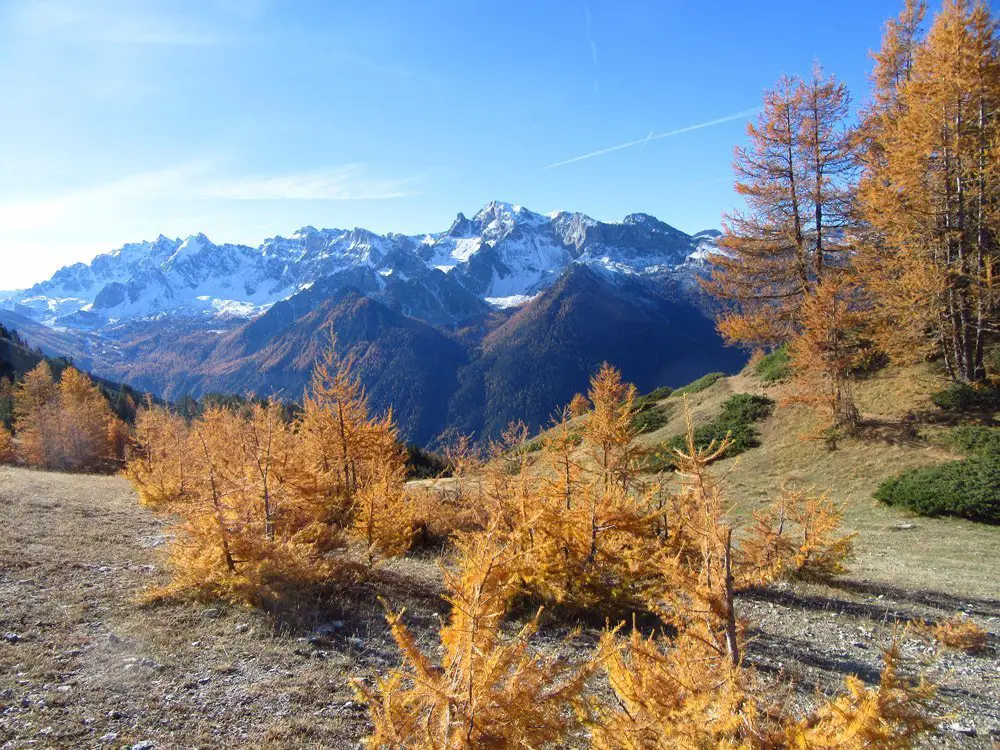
901 432
895 607
764 652
882 613
947 602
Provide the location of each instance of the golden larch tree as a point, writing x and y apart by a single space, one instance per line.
931 190
67 426
828 350
796 176
8 451
489 689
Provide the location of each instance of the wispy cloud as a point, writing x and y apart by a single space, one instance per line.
346 183
593 46
68 206
653 137
200 181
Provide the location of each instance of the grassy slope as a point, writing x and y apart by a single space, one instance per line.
945 554
85 660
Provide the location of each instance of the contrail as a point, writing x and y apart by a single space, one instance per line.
655 137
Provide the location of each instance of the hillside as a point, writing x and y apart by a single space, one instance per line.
18 357
501 316
107 669
901 431
506 365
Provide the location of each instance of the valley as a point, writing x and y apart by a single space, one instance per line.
501 317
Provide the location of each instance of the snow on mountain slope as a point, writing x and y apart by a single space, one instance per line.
503 255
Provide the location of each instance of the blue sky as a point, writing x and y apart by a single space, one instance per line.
122 119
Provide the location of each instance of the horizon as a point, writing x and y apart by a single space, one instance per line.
348 228
243 121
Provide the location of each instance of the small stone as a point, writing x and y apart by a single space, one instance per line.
109 737
242 627
967 729
144 745
11 637
211 612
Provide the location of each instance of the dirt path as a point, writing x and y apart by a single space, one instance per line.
83 664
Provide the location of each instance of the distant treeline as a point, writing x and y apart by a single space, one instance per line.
47 405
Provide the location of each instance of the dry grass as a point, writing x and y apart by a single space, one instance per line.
900 432
83 664
82 660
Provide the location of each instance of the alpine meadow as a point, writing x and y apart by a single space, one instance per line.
533 479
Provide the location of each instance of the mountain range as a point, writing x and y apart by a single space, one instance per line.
501 316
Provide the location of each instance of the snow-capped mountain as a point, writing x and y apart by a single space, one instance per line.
501 257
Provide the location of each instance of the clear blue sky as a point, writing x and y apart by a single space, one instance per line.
248 118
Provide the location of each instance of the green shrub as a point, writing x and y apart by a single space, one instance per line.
424 464
657 394
650 419
774 366
700 384
968 489
648 415
962 397
976 441
737 418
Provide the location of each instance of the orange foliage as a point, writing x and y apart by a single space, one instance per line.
932 188
862 718
796 175
579 528
585 530
489 690
66 426
826 352
578 405
676 694
158 464
267 505
958 632
8 451
696 566
799 536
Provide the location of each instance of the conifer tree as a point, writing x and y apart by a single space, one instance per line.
796 176
489 690
6 402
8 451
159 463
68 425
827 351
931 191
35 414
579 405
88 438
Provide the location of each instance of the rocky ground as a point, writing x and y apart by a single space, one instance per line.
84 663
